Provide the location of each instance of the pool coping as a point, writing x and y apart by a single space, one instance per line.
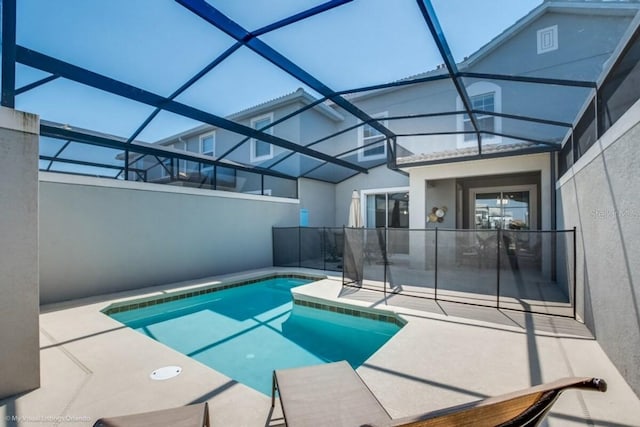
297 298
349 309
173 295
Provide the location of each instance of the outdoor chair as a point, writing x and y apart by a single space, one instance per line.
185 416
468 250
333 394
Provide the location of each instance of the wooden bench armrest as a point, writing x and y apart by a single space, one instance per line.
512 409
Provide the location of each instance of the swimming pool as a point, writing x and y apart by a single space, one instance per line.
245 332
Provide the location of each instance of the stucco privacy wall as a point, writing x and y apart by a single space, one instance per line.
99 236
19 309
318 198
599 196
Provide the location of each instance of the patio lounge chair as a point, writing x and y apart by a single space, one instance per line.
185 416
334 395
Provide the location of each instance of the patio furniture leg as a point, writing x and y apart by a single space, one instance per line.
273 391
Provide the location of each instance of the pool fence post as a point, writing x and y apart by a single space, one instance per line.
383 248
299 246
126 164
435 274
498 237
575 270
344 251
323 247
386 260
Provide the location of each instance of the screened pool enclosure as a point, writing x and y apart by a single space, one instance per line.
114 81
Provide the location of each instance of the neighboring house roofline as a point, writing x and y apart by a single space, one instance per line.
300 95
87 131
185 134
133 144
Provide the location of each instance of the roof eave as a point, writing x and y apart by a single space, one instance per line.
299 95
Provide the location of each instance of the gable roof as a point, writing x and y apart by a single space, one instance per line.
297 96
603 7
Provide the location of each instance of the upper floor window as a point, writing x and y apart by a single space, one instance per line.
208 148
485 98
261 150
373 141
483 102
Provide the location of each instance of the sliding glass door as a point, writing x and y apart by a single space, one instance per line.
506 208
390 210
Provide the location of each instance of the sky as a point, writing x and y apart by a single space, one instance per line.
157 45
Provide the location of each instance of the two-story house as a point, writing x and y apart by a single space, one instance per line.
504 180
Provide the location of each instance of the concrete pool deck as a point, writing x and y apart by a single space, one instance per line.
446 354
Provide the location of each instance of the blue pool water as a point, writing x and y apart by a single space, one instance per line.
248 331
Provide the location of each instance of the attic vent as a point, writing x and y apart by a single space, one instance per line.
548 39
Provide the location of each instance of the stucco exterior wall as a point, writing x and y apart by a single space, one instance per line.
315 125
424 98
581 48
100 236
318 198
599 196
19 308
434 186
419 176
441 193
380 177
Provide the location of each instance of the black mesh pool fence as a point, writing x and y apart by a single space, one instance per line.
526 270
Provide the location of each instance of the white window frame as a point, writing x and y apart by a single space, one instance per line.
361 140
253 157
552 34
182 164
480 88
467 120
201 139
385 191
163 171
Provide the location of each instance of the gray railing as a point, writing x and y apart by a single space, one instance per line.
86 154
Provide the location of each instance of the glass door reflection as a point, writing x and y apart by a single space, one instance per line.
503 209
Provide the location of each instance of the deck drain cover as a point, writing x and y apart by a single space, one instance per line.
165 373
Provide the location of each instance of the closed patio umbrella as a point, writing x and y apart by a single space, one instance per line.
355 217
395 214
